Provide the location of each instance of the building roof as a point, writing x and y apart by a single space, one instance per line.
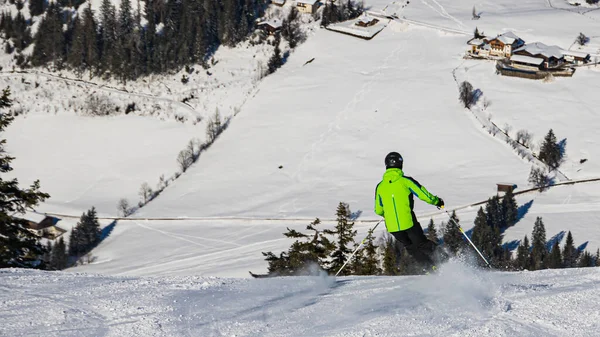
275 23
307 2
573 53
527 59
32 216
538 48
366 19
508 38
476 42
278 2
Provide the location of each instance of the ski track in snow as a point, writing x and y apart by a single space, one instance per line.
459 301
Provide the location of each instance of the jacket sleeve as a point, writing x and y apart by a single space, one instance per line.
421 192
378 202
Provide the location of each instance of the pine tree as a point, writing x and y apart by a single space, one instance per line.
91 229
290 28
308 248
550 151
495 213
59 258
47 256
370 263
36 7
569 252
539 252
432 232
18 246
586 260
276 61
49 39
523 256
344 233
597 258
453 238
509 209
482 235
389 257
356 264
407 264
108 36
554 260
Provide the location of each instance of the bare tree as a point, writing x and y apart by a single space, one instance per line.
507 128
467 94
185 159
145 193
524 138
214 127
486 103
123 207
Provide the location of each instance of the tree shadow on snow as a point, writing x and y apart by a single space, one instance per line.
563 147
556 238
107 230
355 215
523 210
583 246
511 245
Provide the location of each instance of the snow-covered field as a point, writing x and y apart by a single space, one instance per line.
459 301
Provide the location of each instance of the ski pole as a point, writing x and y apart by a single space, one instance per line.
357 248
468 239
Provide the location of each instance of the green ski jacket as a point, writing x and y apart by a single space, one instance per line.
394 199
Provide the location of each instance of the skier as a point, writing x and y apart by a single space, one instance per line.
394 201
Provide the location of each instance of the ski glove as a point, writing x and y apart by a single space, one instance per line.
440 203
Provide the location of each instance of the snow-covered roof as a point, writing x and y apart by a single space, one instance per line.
275 23
278 2
508 38
573 53
366 19
538 48
307 2
476 42
31 216
526 59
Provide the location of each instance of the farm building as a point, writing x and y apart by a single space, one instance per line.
576 57
506 187
503 45
279 3
42 225
552 55
366 21
270 26
307 6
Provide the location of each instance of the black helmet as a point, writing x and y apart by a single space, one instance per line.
393 160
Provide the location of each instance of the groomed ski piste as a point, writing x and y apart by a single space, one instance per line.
180 265
459 301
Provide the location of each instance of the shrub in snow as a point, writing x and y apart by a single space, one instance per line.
467 95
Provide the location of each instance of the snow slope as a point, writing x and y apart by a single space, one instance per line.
459 301
329 123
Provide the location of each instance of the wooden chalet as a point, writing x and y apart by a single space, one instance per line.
506 187
42 225
272 26
367 21
503 45
552 55
307 6
576 57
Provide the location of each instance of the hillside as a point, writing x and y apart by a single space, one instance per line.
314 134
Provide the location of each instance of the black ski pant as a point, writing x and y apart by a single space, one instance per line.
417 244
